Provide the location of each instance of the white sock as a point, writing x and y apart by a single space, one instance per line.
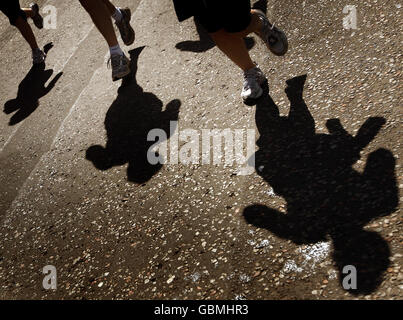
117 16
115 50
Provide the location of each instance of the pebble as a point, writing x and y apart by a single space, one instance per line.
170 279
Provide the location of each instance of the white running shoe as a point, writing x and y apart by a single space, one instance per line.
253 79
120 66
274 38
125 29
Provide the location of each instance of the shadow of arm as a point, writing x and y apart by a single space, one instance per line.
53 83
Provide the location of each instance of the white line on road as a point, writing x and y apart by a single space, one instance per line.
11 135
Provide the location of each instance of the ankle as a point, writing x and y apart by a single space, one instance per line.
117 16
116 50
249 67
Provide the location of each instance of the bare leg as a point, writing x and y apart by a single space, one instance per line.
111 8
102 19
233 45
26 31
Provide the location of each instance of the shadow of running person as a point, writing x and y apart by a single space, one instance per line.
30 90
128 121
326 197
205 42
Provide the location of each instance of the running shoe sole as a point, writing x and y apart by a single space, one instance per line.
121 75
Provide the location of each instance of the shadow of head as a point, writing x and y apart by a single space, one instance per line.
368 253
326 197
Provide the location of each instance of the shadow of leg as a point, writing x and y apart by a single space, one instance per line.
274 221
368 131
250 43
203 44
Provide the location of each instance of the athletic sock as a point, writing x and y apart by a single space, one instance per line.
117 16
116 50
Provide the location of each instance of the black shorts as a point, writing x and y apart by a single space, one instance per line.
12 9
230 15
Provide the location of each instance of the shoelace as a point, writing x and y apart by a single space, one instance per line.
271 26
250 76
272 38
122 25
113 62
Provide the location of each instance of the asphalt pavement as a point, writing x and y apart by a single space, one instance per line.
79 193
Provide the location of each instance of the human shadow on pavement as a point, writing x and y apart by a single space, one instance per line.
30 90
326 197
205 42
130 118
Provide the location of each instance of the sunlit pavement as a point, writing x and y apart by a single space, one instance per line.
78 193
